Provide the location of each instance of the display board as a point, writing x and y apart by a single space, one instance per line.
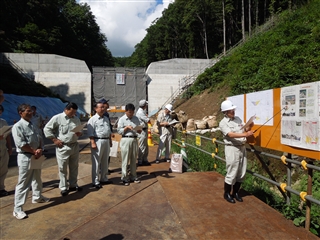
287 119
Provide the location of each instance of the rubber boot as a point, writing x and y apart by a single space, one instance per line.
235 193
227 196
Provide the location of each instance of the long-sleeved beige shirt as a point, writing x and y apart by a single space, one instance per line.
60 127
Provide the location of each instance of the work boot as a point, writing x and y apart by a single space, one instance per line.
235 193
227 196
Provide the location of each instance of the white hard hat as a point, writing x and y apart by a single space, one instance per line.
142 103
169 107
227 105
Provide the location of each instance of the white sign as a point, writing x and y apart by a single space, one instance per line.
120 78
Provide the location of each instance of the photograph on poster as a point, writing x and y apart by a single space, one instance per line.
290 106
303 93
302 112
291 99
303 103
291 132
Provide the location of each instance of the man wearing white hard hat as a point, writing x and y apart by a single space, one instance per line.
235 136
143 136
165 129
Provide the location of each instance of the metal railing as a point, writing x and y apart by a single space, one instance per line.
284 188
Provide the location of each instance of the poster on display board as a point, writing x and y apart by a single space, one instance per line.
300 120
260 105
238 101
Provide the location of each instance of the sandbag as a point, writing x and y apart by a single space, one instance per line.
155 128
183 117
200 124
190 125
178 126
212 122
176 163
205 118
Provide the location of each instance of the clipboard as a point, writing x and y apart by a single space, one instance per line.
78 128
36 163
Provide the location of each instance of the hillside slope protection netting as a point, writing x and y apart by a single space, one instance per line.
46 107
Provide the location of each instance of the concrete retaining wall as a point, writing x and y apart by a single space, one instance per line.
68 77
166 77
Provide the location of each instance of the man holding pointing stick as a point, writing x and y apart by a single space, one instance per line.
235 134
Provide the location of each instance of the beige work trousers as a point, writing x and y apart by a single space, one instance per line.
129 152
236 163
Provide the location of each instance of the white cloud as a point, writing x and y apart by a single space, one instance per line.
124 22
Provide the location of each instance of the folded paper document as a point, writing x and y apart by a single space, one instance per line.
36 163
173 122
249 122
78 128
137 128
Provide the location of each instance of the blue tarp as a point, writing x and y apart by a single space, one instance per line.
46 106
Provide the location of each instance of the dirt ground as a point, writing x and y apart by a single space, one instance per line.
206 104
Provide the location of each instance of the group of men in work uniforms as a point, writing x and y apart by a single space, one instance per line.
64 129
28 139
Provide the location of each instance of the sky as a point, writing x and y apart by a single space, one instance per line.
124 22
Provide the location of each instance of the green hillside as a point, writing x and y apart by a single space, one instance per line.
288 54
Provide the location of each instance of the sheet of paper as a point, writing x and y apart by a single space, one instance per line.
78 128
249 122
174 121
5 130
153 112
137 128
36 163
114 149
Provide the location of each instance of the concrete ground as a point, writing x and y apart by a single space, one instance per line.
164 205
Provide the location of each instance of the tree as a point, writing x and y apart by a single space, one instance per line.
61 27
224 27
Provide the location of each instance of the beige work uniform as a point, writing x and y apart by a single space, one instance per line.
4 157
129 146
24 133
60 127
143 136
235 150
99 128
165 136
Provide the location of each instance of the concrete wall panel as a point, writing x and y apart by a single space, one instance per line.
70 78
168 76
